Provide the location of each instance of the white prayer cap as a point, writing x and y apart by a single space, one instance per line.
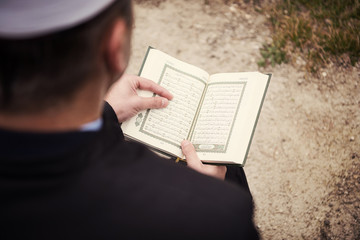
21 19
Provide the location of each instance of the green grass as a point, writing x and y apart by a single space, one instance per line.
319 30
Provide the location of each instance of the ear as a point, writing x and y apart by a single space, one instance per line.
116 47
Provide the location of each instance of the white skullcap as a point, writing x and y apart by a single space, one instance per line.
21 19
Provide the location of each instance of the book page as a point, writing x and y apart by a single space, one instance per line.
217 116
228 115
165 128
172 124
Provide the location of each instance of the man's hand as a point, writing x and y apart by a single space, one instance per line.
194 162
123 98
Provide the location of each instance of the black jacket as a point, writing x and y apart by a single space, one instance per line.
94 185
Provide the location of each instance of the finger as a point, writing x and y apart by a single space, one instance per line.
216 171
145 84
151 103
191 156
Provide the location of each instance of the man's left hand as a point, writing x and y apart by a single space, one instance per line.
125 101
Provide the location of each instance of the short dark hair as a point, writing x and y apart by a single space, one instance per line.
41 72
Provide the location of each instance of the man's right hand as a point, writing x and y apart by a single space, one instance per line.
195 163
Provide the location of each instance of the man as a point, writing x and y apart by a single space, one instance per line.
65 170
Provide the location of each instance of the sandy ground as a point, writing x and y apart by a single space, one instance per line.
304 163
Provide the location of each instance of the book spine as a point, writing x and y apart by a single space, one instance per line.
191 132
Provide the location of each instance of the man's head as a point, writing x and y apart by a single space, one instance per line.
46 68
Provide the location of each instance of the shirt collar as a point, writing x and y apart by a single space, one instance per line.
92 126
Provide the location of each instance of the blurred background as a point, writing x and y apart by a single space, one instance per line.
304 163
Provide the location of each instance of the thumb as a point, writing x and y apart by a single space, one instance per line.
152 102
191 156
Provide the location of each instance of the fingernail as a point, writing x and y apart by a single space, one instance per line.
185 143
164 102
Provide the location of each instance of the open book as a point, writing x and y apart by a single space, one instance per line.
217 113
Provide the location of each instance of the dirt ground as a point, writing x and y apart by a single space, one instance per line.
304 163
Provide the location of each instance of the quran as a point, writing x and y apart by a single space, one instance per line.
218 113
